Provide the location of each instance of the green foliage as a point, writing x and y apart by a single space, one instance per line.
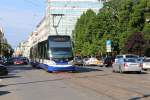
135 43
117 20
146 31
6 49
81 38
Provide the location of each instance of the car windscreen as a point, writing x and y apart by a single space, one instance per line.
61 52
78 58
117 57
17 59
130 60
146 60
131 56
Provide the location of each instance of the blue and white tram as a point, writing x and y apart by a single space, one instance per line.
53 54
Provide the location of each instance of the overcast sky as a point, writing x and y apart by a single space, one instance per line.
19 18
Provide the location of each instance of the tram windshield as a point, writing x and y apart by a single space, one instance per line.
60 52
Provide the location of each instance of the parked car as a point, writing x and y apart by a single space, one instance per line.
146 64
108 61
8 61
3 70
78 61
25 60
1 60
127 56
18 61
127 65
140 59
101 62
93 61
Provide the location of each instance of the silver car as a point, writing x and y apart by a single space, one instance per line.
127 65
146 64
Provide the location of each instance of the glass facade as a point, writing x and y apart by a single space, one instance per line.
63 14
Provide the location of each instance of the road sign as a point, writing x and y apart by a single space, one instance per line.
108 45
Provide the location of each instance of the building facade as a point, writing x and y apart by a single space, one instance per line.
3 42
2 39
23 48
62 15
60 19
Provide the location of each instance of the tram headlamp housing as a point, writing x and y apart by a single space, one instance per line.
70 62
51 62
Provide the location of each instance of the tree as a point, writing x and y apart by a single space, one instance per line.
135 43
81 38
6 50
118 20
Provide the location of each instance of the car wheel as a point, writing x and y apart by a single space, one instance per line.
3 73
139 72
120 70
84 64
113 71
104 65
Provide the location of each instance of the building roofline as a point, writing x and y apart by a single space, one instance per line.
41 21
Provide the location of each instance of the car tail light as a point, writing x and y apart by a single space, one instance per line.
125 65
113 63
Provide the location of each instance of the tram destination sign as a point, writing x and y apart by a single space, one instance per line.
59 38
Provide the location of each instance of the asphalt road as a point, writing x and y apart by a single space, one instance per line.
88 83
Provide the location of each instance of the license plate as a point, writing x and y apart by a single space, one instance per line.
133 64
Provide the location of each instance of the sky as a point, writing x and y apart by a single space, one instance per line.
19 18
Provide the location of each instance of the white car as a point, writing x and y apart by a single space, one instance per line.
93 61
146 64
127 65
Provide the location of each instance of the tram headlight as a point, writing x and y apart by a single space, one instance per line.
70 62
51 62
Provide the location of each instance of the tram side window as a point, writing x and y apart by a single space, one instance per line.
36 52
45 50
39 51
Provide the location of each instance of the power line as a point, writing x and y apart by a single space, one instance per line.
31 2
34 4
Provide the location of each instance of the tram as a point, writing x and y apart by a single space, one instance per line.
53 54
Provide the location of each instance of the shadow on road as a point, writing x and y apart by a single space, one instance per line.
86 69
57 79
9 76
2 86
135 73
139 98
4 92
19 68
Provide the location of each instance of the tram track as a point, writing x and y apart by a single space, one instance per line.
123 87
104 87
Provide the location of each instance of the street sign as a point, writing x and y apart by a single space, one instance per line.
108 46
